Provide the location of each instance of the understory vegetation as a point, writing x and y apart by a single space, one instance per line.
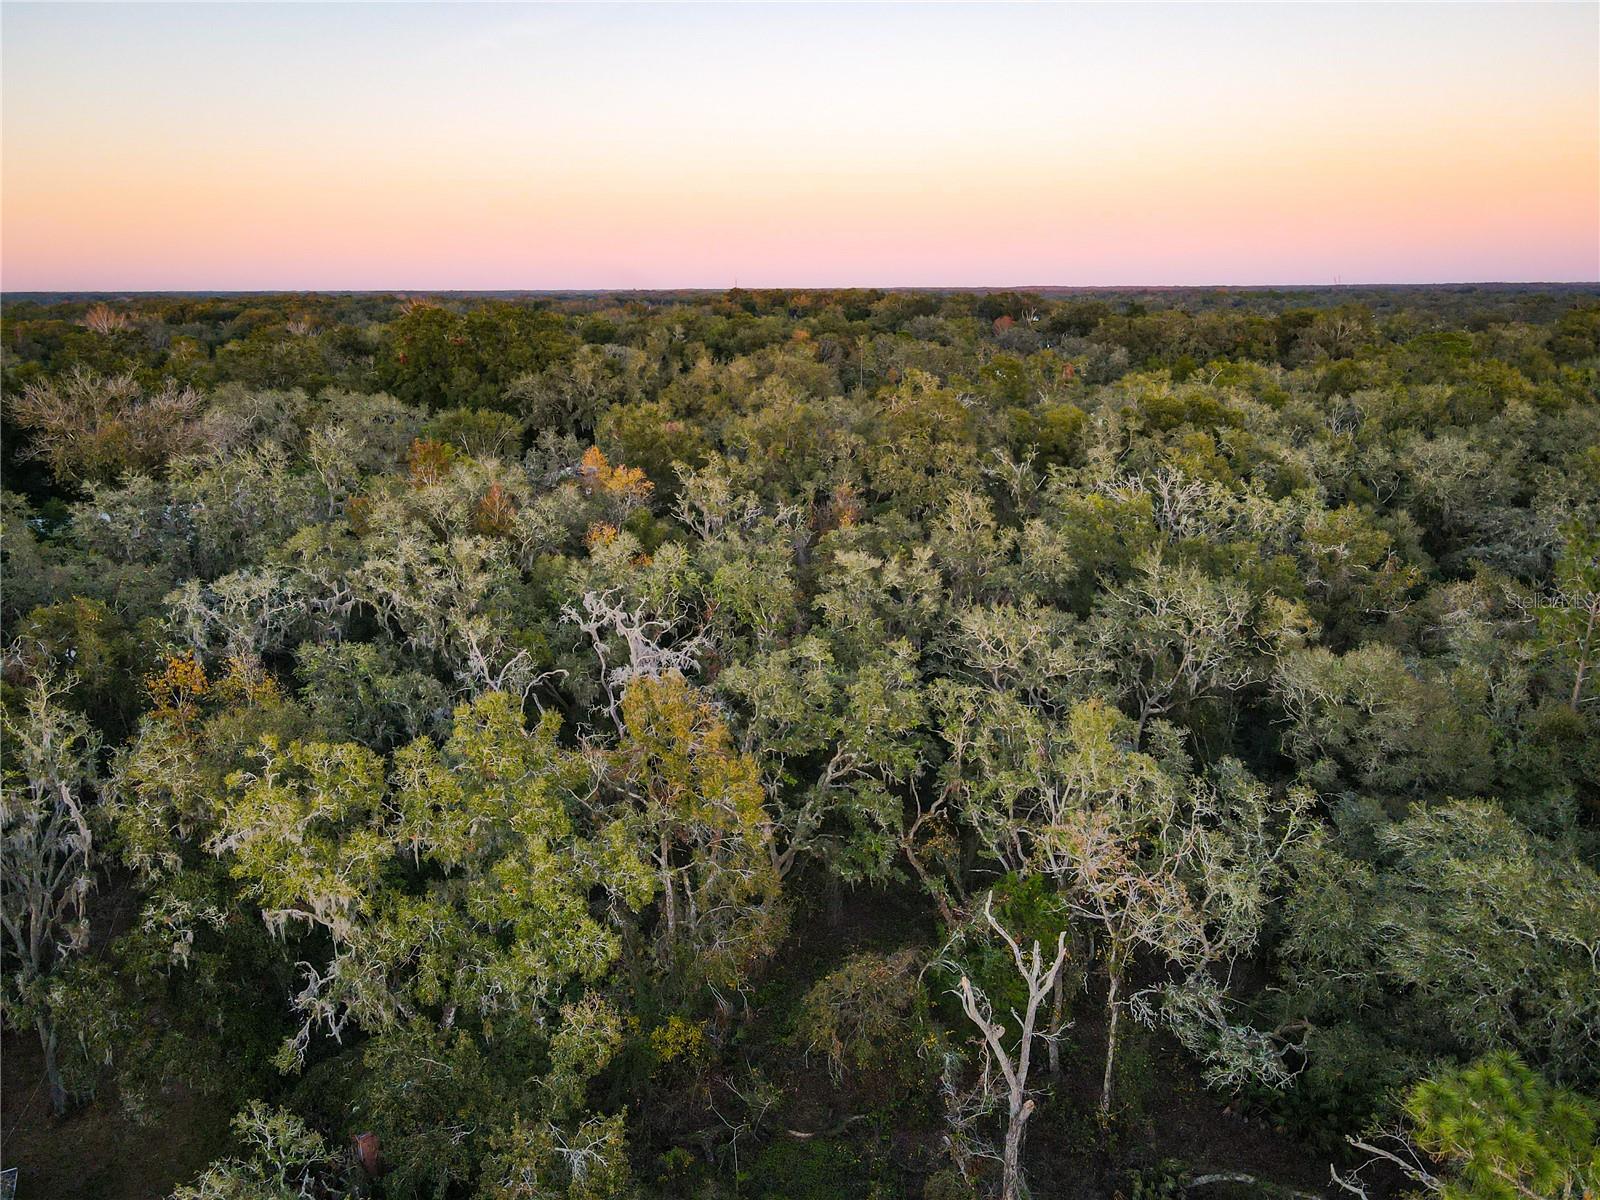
804 744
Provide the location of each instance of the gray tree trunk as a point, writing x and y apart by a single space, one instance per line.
1113 1012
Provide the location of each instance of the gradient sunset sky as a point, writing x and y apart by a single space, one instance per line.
499 146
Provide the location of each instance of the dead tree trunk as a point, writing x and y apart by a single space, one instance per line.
1040 979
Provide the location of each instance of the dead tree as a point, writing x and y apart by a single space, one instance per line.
649 639
1039 975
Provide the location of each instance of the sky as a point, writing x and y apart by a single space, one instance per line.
437 146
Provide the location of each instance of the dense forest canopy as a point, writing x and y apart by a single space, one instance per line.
803 744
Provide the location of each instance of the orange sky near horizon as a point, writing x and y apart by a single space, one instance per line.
486 147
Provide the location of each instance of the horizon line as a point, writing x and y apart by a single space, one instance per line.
822 287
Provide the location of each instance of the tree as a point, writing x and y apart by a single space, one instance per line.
1353 570
91 428
283 1160
492 918
47 854
532 1162
443 359
102 318
694 804
573 395
88 638
1468 933
647 632
1038 972
648 435
1153 860
1569 623
1491 1130
479 432
454 597
859 1015
1370 721
924 447
798 706
1074 603
1172 636
243 615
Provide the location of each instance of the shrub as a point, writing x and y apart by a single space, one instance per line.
857 1015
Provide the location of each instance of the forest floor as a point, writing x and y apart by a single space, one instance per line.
1166 1118
823 1142
97 1151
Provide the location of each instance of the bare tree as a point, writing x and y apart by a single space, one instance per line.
90 428
102 318
1388 1148
1039 976
652 652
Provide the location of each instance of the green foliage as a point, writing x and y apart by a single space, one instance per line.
649 436
858 1016
948 1184
587 1163
694 806
1053 432
477 431
1569 625
586 1041
1164 1181
47 856
813 1170
474 696
89 639
442 359
91 428
282 1160
492 916
1501 1132
1461 924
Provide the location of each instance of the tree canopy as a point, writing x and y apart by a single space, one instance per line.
806 743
